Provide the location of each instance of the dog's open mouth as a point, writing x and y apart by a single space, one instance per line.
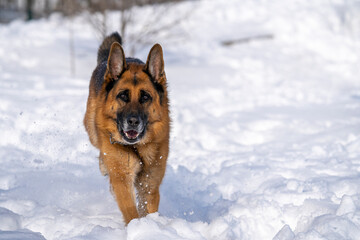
132 134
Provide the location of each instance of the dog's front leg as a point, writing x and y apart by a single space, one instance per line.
147 184
150 177
123 189
122 167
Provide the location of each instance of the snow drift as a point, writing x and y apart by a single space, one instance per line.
265 138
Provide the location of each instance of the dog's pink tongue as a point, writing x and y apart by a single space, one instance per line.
131 134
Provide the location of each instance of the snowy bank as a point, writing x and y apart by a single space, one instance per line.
265 141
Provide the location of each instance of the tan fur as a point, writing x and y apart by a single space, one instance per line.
141 165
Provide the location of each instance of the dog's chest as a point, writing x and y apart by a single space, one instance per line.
148 154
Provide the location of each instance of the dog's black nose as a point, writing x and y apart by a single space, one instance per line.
133 121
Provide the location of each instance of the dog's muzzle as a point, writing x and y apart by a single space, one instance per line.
132 128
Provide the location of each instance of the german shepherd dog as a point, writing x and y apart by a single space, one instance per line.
127 119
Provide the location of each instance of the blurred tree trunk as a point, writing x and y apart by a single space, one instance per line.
72 49
125 19
98 17
29 9
47 8
70 10
103 29
125 7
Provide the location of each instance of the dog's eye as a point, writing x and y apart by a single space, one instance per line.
144 97
124 96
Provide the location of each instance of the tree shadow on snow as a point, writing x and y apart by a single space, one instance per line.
188 195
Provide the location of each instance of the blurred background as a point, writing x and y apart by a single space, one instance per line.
103 17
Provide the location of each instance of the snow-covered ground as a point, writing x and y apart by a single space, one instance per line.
265 140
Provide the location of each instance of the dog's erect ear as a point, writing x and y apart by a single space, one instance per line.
116 61
155 64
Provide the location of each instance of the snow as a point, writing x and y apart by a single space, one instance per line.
265 136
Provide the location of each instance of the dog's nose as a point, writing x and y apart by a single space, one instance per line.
133 121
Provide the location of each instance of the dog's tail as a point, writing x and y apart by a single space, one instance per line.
104 49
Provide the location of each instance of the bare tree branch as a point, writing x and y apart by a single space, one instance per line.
247 39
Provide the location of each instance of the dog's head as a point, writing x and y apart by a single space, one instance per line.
134 95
